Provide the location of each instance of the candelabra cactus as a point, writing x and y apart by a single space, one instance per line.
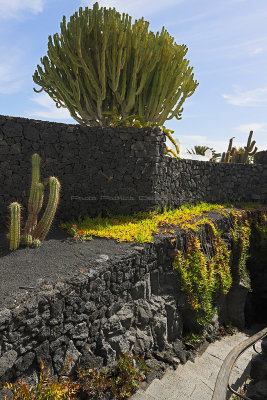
33 232
101 62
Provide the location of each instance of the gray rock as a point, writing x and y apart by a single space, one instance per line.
7 361
74 354
89 359
159 330
5 316
144 340
25 361
125 316
179 351
80 331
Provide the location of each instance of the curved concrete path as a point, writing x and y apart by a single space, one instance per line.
196 380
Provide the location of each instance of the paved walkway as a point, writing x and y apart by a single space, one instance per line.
196 380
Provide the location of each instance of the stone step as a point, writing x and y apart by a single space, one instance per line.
162 392
141 394
196 380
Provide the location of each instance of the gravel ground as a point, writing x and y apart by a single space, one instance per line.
58 255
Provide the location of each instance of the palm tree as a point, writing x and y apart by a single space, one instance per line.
201 151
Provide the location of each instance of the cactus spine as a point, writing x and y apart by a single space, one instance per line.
34 232
15 211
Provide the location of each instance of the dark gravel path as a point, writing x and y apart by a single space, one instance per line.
58 255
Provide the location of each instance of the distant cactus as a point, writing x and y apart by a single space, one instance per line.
226 156
34 232
242 155
249 152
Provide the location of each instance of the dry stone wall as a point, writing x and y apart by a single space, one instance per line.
125 303
191 181
98 168
120 170
261 157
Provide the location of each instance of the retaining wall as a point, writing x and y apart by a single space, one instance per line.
121 170
131 302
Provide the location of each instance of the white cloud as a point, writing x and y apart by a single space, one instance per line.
256 51
13 8
134 7
252 98
11 75
255 127
49 109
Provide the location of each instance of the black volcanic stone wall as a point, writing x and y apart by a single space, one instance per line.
132 302
190 181
98 168
120 170
260 157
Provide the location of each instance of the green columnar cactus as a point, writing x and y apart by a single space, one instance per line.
44 224
249 152
101 61
34 232
15 211
226 157
36 196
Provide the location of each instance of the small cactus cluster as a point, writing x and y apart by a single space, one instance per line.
33 233
242 155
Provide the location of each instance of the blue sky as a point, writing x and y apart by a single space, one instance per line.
227 47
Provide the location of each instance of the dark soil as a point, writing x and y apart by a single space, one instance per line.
58 255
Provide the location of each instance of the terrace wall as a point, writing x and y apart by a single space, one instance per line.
121 170
132 302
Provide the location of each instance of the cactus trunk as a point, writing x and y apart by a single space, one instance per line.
15 210
44 224
36 196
